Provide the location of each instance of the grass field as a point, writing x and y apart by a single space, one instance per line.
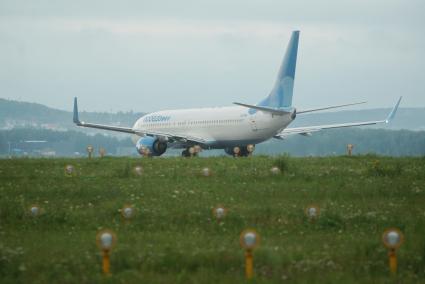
174 239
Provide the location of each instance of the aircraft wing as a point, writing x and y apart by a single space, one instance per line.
171 136
308 130
98 126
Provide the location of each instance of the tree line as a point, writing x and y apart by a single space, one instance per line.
324 143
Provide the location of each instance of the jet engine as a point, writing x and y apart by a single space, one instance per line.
151 146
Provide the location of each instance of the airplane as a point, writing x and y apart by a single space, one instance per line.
236 129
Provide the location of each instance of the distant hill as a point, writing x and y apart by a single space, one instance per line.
14 114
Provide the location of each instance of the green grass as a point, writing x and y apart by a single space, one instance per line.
173 238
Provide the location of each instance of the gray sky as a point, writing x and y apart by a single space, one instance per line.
152 55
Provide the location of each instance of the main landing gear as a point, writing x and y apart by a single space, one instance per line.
240 151
192 151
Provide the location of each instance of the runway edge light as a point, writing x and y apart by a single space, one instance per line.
219 212
312 212
275 170
90 150
106 241
249 240
392 238
206 172
138 170
69 170
128 212
102 152
34 210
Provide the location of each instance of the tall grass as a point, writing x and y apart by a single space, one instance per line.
174 237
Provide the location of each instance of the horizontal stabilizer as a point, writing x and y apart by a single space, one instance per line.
329 107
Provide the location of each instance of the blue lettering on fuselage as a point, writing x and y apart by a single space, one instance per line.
156 118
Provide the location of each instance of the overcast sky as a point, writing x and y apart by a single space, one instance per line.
152 55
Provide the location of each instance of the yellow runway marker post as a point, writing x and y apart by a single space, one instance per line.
105 240
249 240
392 239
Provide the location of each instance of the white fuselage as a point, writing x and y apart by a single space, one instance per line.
220 127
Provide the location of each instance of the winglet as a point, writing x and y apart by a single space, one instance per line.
393 111
75 119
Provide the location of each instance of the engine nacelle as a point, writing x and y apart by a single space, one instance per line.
151 146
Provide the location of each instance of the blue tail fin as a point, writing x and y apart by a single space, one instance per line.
281 94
